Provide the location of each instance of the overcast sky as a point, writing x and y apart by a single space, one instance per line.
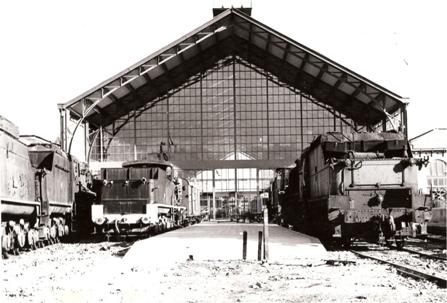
53 50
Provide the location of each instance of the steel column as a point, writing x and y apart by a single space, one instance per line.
66 119
101 144
234 108
335 120
168 143
201 116
86 140
384 119
61 128
236 191
214 194
258 197
405 120
135 156
208 204
95 136
268 116
301 122
235 133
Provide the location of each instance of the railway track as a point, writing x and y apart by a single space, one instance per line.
432 270
428 248
437 239
423 254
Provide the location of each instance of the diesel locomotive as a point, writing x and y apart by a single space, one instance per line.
38 185
355 186
142 198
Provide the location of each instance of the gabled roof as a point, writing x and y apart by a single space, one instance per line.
433 139
234 33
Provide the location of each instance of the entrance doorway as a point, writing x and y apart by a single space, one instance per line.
232 192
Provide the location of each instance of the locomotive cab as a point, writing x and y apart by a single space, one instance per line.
135 198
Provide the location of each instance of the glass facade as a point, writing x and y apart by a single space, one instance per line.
235 111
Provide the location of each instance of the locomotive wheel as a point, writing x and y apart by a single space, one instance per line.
35 238
60 230
66 230
21 239
14 244
44 236
6 242
30 239
400 243
53 234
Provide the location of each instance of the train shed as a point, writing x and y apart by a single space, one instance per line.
228 103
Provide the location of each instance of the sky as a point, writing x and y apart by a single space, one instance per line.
52 51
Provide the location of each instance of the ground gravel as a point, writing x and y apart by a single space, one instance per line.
96 272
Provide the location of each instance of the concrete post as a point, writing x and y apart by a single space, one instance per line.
266 234
214 194
244 245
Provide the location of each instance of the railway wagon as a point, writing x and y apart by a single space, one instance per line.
141 197
38 182
189 196
439 212
357 186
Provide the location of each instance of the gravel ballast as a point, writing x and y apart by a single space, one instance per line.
96 272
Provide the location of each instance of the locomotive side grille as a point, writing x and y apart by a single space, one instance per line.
125 207
397 198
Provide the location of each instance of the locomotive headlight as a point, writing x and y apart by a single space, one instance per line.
107 183
379 198
145 220
101 220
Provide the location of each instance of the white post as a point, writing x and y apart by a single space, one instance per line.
266 234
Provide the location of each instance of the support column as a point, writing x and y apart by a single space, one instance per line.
235 192
135 154
86 140
214 194
405 120
93 142
301 122
258 194
208 204
234 108
384 119
201 117
62 128
335 120
66 120
101 145
168 123
268 116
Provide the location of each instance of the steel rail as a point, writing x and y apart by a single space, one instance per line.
441 282
424 255
438 240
